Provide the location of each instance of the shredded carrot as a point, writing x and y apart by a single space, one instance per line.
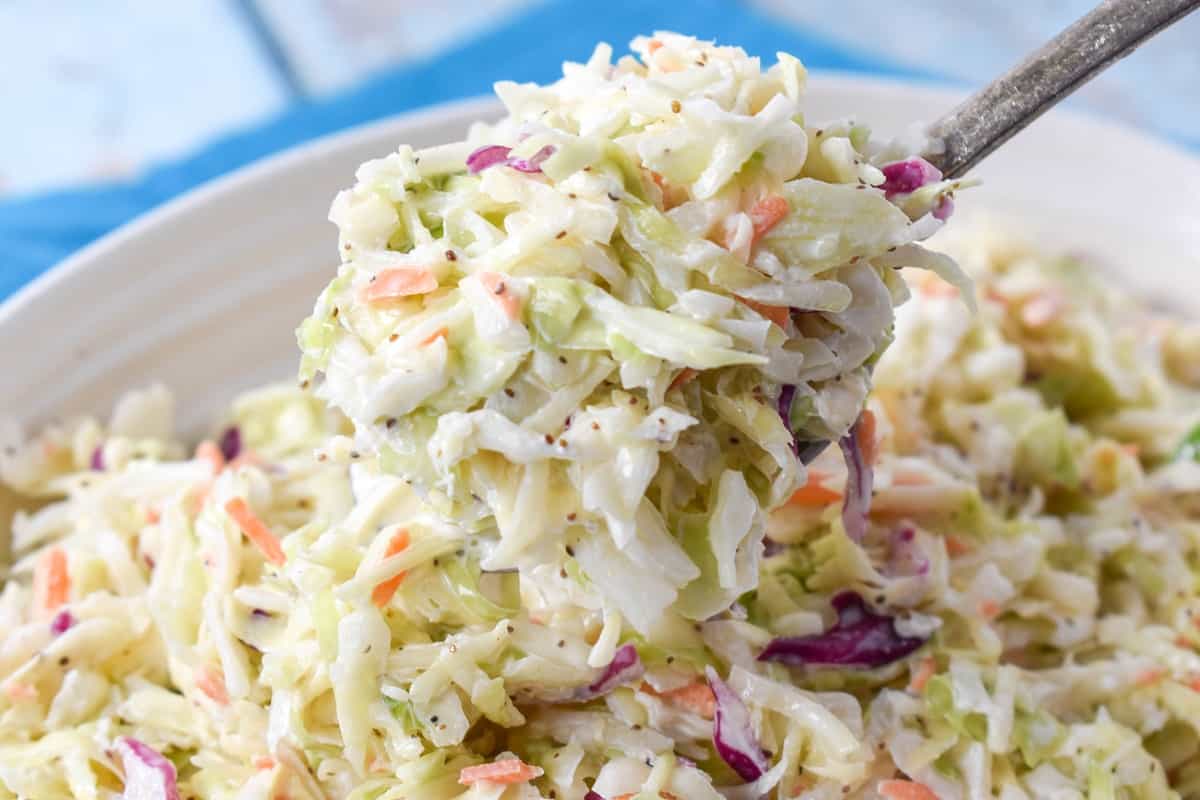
1131 449
212 683
909 478
506 770
686 375
256 531
934 287
263 762
210 452
924 671
695 697
672 195
867 443
153 516
1194 684
653 45
767 213
498 288
398 283
777 314
53 578
993 294
1042 309
20 691
440 333
990 609
896 789
813 494
955 546
1149 677
382 594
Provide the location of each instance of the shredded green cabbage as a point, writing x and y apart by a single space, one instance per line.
412 568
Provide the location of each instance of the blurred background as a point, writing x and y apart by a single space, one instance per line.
104 93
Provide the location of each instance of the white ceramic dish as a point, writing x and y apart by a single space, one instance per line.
203 294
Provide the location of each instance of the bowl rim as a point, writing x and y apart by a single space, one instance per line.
479 107
213 189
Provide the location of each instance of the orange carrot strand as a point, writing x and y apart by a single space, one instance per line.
396 284
926 670
256 531
767 213
55 579
777 314
813 494
686 375
501 293
695 697
905 790
867 442
507 770
382 594
212 683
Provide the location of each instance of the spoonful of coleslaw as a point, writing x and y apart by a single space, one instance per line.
634 305
626 314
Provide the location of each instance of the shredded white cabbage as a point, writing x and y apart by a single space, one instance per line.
637 259
455 593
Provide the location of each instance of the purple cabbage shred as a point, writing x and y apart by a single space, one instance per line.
97 462
860 478
787 395
230 442
493 154
772 547
162 787
625 667
593 796
733 732
944 208
533 163
859 638
63 621
805 449
487 156
905 177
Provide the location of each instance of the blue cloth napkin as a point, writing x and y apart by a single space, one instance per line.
39 230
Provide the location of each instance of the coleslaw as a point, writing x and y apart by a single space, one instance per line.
394 582
626 308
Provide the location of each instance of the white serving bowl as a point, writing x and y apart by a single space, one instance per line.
204 293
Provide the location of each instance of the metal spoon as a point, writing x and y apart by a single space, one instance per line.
998 111
992 115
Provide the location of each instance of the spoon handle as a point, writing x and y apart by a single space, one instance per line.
989 117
